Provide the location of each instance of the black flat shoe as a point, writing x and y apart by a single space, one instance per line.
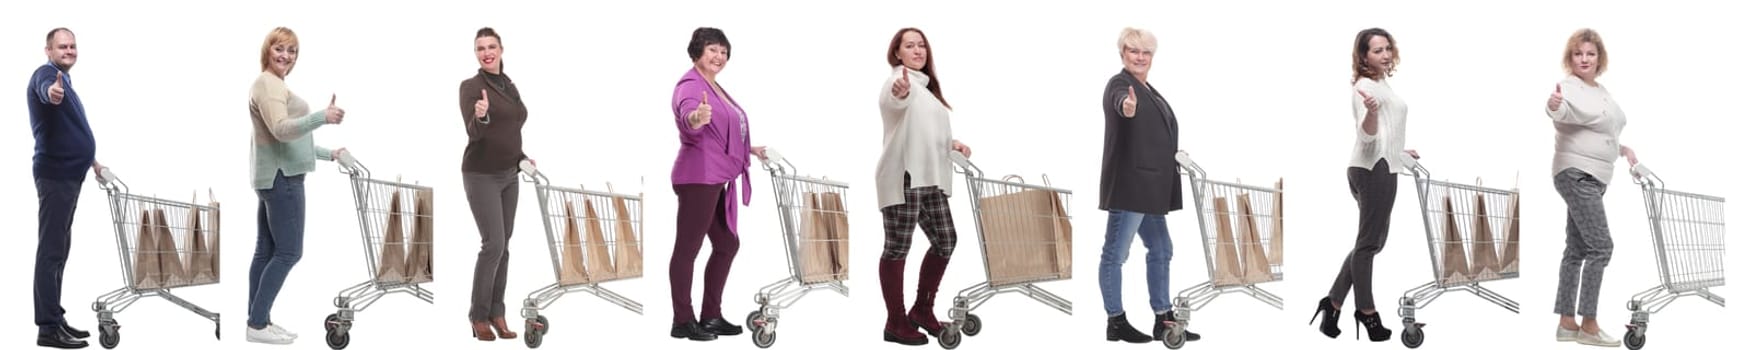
691 330
75 332
1328 322
59 339
1375 331
720 326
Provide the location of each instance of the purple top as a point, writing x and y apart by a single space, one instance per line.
716 153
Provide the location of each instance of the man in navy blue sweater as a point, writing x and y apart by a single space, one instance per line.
64 149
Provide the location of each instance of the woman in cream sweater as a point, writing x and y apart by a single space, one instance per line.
1587 122
912 182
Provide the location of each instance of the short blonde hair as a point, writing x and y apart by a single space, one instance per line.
1582 36
280 35
1136 38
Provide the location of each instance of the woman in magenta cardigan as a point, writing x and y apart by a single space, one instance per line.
714 154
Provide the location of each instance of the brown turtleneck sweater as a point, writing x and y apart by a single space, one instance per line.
496 145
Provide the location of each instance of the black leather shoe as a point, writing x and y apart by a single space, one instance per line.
720 326
1118 329
59 339
75 332
691 330
1161 328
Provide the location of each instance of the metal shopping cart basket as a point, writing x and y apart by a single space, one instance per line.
392 259
816 243
1024 231
593 237
1239 223
162 246
1473 237
1689 239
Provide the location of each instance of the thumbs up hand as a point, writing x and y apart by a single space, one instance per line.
702 114
482 105
902 86
1129 105
56 92
334 114
1368 100
1555 99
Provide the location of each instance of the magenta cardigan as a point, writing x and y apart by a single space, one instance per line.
716 153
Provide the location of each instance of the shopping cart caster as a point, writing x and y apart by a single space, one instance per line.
1412 336
534 330
330 323
763 334
1635 337
972 326
1175 336
109 334
338 339
949 340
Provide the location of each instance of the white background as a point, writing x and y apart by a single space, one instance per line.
1260 89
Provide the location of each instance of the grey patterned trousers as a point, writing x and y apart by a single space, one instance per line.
1589 244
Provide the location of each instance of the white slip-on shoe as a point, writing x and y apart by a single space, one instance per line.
1566 335
276 329
1598 339
266 336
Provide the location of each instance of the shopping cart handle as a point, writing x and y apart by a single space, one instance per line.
1186 163
528 167
105 176
349 164
1641 170
965 164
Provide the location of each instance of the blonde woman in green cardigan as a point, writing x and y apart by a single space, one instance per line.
282 153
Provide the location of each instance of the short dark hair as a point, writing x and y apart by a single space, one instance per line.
50 39
706 36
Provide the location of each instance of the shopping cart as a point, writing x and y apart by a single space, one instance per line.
147 229
1689 238
1255 217
382 213
816 243
613 256
1025 235
1461 221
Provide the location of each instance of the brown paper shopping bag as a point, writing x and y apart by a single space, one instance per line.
169 260
628 249
1251 245
392 258
833 208
1227 265
1276 227
1484 264
198 260
601 265
571 269
1452 249
1020 236
213 235
815 241
147 275
1510 248
419 254
1064 235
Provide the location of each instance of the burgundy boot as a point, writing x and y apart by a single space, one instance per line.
898 330
929 277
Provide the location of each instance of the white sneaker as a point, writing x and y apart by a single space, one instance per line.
276 329
1598 339
266 336
1566 335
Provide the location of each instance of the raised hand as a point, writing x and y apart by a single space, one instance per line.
56 92
1129 105
1555 99
1368 100
482 105
335 113
701 115
902 86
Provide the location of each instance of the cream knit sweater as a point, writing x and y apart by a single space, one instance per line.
917 139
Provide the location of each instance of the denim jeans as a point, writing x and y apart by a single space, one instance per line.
279 243
1121 228
56 201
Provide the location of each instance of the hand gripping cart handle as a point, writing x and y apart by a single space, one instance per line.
1239 223
816 243
1471 231
162 246
1689 242
593 238
1024 234
392 217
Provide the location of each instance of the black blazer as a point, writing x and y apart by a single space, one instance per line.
1138 171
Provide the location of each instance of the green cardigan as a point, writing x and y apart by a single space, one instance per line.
283 127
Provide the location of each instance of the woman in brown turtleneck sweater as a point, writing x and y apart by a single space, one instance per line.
493 114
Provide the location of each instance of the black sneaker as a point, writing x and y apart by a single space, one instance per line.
691 330
721 326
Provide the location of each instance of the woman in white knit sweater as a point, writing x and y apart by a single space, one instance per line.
1587 122
912 182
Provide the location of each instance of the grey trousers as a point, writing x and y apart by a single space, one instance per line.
1589 244
1375 191
493 198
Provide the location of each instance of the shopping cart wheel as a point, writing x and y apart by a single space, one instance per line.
972 326
949 340
109 334
764 338
338 339
753 319
532 337
1175 337
1634 340
330 323
1412 337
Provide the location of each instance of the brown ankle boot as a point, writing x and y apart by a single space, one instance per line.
503 329
483 331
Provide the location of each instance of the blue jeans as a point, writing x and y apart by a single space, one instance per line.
1121 228
56 201
279 243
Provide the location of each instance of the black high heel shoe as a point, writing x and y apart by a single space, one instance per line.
1329 324
1375 331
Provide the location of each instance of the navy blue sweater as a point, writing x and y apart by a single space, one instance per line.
65 147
